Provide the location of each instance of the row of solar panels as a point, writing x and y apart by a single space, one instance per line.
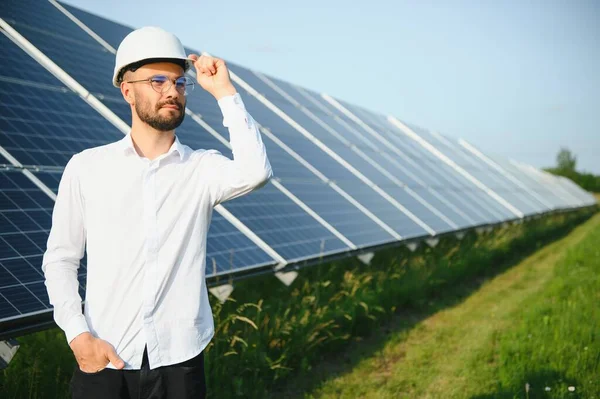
346 179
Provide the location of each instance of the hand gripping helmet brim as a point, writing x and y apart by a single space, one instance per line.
149 44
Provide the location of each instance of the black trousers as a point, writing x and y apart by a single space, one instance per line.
183 380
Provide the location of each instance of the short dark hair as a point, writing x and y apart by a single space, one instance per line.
135 65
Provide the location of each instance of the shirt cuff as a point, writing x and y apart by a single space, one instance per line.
76 326
234 111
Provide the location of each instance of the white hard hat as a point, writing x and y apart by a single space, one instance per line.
149 44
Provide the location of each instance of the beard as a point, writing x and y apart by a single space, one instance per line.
150 115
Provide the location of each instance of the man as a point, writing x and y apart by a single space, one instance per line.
143 205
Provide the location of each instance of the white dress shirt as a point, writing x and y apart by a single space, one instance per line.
145 224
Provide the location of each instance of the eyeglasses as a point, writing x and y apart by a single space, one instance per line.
162 84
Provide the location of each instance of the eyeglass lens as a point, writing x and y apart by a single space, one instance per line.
161 84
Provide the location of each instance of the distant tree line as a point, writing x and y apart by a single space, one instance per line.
566 163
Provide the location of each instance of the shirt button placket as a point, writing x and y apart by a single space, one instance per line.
151 266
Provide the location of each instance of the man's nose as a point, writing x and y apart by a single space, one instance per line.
172 92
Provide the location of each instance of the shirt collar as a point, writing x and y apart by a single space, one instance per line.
128 148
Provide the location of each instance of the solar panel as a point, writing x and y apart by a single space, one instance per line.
509 171
339 141
110 31
500 209
311 153
25 221
476 167
550 185
288 231
497 181
96 77
584 198
229 250
338 211
543 193
411 168
46 125
490 201
390 169
329 204
543 190
426 168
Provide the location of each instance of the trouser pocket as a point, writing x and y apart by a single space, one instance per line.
106 383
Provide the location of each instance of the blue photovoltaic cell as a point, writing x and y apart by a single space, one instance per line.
474 199
543 191
515 195
490 203
285 231
404 169
44 126
351 184
229 250
486 204
110 31
337 211
499 181
42 122
420 169
414 196
25 221
354 224
62 41
19 67
340 139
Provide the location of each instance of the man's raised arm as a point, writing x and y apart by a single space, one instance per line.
250 167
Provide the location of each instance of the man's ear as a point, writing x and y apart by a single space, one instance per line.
127 92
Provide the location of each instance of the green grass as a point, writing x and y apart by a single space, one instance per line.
535 326
556 342
273 340
41 368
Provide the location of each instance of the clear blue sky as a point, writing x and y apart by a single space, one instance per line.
517 80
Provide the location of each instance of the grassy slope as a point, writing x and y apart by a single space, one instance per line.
531 324
272 335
